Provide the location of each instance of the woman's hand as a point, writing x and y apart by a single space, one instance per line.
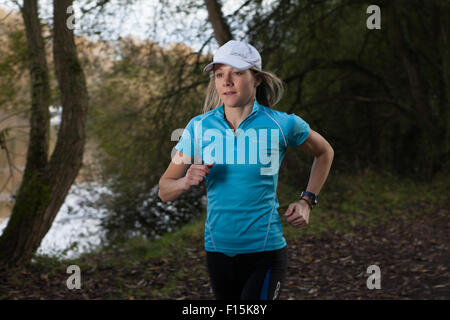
195 174
297 214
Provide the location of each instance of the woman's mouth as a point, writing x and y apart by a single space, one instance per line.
229 93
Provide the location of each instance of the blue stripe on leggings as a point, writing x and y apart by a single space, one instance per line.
265 287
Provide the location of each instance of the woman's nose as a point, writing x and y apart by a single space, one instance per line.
227 80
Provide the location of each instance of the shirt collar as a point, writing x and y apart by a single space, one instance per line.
256 107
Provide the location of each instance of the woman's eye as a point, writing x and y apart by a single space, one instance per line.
238 73
218 75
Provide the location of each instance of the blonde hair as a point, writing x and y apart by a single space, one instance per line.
268 93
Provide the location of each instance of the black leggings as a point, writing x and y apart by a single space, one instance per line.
250 276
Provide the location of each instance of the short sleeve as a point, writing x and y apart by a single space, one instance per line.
186 143
297 130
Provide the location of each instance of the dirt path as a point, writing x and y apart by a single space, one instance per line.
413 257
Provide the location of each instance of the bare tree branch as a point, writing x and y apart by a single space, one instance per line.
221 28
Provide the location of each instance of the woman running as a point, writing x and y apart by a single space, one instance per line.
237 146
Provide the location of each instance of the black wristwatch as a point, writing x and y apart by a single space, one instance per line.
314 198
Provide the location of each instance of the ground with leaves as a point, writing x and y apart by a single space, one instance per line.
413 255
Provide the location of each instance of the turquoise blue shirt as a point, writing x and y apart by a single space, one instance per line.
242 210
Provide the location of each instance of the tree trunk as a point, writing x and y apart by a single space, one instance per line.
221 29
46 183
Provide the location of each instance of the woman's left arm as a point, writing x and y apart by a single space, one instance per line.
297 213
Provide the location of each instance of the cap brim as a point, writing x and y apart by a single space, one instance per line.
235 63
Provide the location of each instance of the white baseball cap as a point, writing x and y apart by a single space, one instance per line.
238 54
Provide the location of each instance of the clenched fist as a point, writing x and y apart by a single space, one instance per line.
196 173
297 214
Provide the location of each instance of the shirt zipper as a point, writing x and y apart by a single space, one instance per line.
242 122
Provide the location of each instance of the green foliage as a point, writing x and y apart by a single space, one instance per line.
143 250
133 113
137 107
354 85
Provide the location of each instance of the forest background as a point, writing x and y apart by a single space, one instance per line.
379 96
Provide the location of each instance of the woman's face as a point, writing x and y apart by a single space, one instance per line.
236 88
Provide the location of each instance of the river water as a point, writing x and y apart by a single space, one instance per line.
76 228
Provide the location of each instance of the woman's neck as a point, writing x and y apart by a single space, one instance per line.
235 115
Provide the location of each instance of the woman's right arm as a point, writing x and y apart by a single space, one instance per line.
180 176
